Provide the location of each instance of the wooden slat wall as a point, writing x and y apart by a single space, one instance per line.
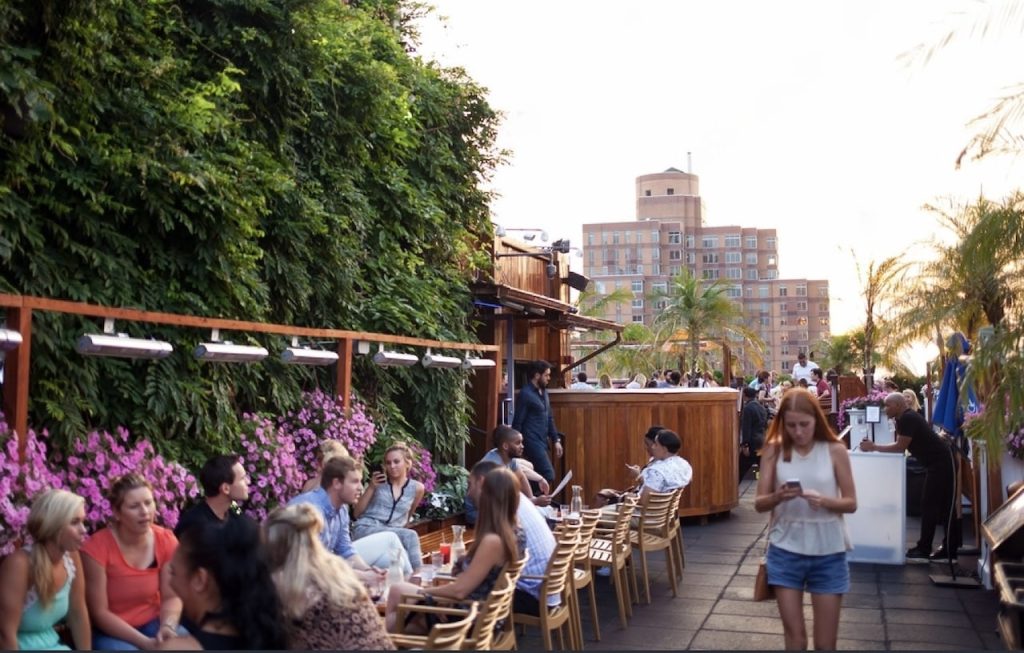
604 431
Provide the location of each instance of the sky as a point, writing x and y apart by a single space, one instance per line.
805 116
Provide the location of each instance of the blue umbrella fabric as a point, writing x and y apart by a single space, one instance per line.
948 413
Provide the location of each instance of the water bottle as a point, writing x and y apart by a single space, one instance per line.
576 504
395 573
458 544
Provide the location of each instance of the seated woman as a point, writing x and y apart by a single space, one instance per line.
389 501
41 583
325 604
667 470
127 572
328 449
229 599
498 539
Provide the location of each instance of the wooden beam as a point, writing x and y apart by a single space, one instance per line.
176 319
16 376
343 385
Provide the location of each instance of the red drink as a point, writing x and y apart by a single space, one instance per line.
446 551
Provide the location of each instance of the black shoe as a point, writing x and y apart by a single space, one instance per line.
940 555
917 555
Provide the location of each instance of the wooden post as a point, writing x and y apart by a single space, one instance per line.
343 385
16 378
493 388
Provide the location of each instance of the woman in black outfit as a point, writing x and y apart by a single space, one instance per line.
229 598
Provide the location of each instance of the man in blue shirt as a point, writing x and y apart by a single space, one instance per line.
341 483
533 418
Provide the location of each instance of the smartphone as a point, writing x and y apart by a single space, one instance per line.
376 468
794 483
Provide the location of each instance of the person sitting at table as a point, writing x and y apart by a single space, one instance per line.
325 451
229 600
225 483
508 451
389 501
341 484
822 389
608 496
127 572
667 470
498 539
326 605
42 583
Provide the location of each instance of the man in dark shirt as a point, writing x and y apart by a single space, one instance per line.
224 482
753 422
533 418
938 500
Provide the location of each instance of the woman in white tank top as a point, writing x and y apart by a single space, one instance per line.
807 483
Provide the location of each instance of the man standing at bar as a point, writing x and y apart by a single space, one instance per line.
533 418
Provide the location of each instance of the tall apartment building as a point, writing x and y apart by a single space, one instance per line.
669 234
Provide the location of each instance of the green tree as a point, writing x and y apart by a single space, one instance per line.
837 352
695 311
880 283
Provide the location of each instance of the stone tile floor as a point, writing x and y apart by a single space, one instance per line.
888 607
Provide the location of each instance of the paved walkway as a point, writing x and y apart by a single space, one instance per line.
888 607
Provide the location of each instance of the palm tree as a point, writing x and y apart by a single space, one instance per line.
880 281
837 352
695 311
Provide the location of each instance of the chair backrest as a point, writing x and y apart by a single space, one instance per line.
512 570
587 528
498 606
556 576
656 511
450 636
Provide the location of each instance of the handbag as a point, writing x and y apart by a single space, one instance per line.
762 590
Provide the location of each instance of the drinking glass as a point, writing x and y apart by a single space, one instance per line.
437 561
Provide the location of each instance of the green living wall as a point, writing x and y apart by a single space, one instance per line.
286 161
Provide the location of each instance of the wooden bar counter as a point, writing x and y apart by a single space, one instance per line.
604 431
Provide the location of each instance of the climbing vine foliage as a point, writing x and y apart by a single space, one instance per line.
289 161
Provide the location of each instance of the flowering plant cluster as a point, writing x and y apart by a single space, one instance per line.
20 483
423 467
92 465
268 455
874 398
321 417
1014 440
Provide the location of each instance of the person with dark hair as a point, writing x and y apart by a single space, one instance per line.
675 378
753 422
807 483
581 383
508 452
533 418
938 500
224 482
42 584
667 470
497 539
609 496
127 572
820 384
341 484
229 599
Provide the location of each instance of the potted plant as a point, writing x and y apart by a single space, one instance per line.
855 411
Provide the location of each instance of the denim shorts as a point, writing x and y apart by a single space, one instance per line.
827 574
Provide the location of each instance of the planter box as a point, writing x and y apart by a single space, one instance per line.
424 526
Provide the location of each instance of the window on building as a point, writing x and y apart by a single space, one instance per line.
591 258
661 305
822 291
647 193
692 271
711 258
765 321
769 242
670 191
733 273
675 255
784 350
801 291
710 274
638 319
782 307
751 259
675 270
628 237
638 303
675 238
751 242
615 237
655 253
734 291
822 309
605 237
655 237
771 274
659 286
691 257
801 306
599 287
732 241
590 239
709 242
656 268
823 321
690 241
783 291
638 285
802 336
733 257
749 292
782 322
752 274
762 291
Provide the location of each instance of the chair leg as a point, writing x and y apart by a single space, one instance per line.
619 589
670 559
575 620
632 579
629 584
545 633
593 610
647 578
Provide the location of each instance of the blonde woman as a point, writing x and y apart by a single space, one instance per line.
42 583
328 449
639 381
390 500
326 605
605 382
912 402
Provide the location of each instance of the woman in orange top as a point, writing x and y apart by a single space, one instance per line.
127 574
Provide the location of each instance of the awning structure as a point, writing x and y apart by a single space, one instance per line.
533 306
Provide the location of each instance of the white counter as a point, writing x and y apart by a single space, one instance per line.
878 530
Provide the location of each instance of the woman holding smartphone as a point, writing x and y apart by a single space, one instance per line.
390 500
807 483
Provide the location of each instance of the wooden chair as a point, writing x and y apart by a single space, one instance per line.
677 534
556 580
583 575
448 636
488 633
654 533
611 548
